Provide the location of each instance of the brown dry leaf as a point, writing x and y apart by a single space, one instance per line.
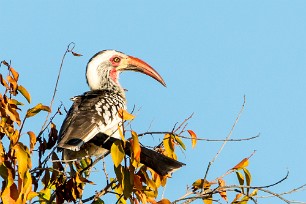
76 54
193 138
136 147
123 114
137 182
222 193
32 140
25 93
14 73
36 109
117 152
244 163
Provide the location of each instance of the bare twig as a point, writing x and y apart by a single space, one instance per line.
70 47
224 143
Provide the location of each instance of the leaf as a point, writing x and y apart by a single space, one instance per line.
193 138
168 144
98 201
23 159
126 183
1 153
14 102
136 147
76 54
13 82
32 195
180 142
238 195
117 152
240 179
248 178
254 193
32 140
244 163
164 201
208 199
24 92
13 114
198 184
124 115
14 73
14 137
222 193
3 82
36 109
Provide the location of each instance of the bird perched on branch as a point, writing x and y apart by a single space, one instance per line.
93 118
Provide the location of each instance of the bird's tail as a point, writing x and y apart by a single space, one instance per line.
160 163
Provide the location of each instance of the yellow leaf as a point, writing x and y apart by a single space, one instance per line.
123 114
117 152
240 179
14 137
222 193
14 73
198 184
23 159
36 109
121 133
32 140
13 114
32 195
14 102
244 163
254 193
168 144
136 147
1 153
25 93
208 199
248 178
238 195
193 138
180 142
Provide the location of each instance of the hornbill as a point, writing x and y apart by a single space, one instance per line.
91 124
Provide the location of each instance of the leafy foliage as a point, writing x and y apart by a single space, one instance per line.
134 182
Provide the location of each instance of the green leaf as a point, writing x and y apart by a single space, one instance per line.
117 152
180 142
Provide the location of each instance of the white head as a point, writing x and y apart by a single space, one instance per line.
103 69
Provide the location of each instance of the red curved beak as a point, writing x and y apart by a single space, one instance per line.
137 65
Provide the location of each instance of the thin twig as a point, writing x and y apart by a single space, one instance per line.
69 49
226 139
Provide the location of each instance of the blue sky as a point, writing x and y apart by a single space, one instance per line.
210 53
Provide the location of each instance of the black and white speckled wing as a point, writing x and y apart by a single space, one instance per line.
91 113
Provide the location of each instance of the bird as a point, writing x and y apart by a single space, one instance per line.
92 123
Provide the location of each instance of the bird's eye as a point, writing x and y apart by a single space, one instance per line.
116 59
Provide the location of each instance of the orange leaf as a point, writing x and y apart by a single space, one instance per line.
222 193
14 73
164 201
24 92
125 115
3 82
237 198
136 147
13 82
244 163
32 140
193 138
